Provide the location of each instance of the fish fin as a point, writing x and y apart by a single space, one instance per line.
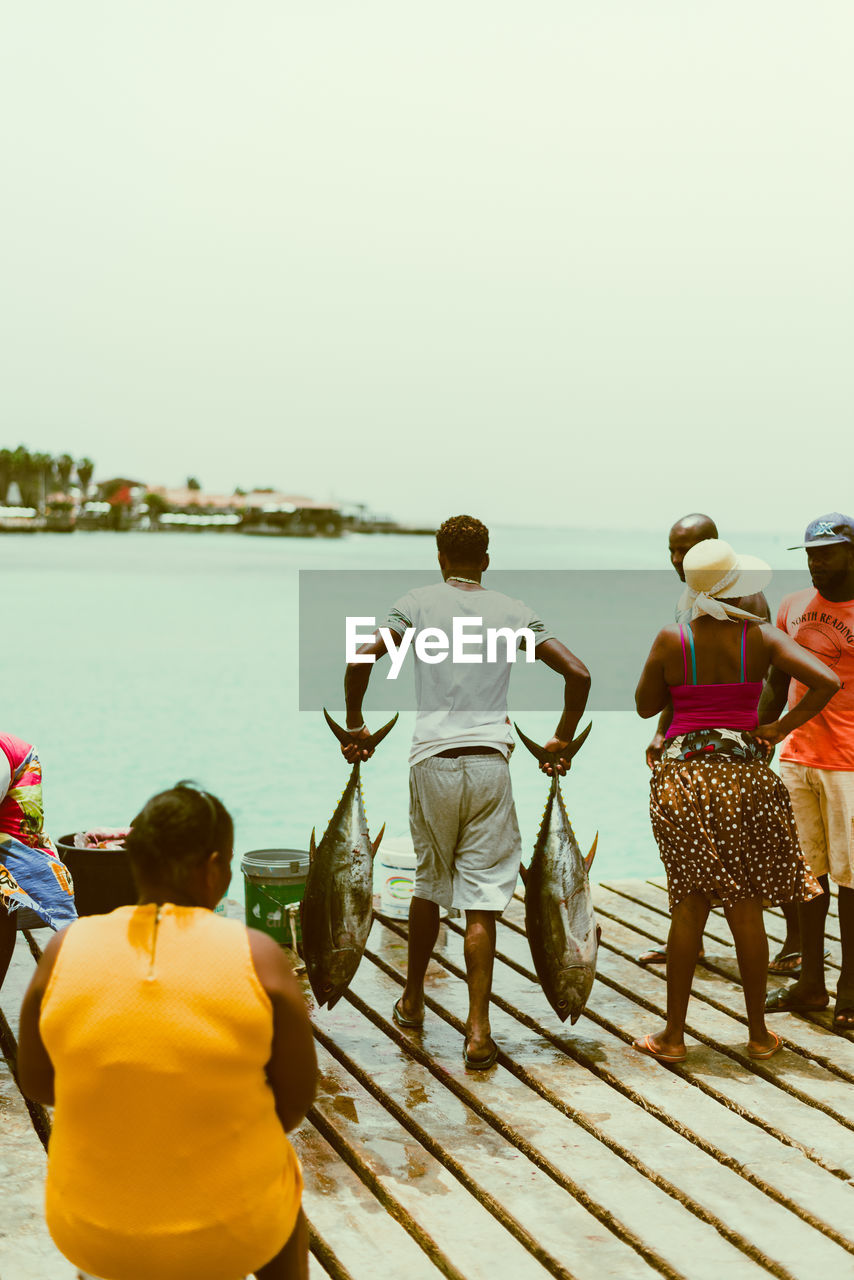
551 757
523 872
375 844
376 738
346 738
312 848
588 861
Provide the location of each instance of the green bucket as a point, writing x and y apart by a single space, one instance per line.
274 883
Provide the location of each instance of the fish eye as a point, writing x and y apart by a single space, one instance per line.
561 1004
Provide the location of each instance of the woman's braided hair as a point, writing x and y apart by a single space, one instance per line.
178 830
463 540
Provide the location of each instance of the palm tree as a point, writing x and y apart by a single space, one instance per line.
42 465
6 457
85 471
64 465
23 474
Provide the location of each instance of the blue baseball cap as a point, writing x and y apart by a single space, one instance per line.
827 530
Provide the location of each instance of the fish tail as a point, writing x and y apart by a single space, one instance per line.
346 738
551 757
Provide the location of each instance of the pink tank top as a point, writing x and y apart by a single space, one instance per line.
712 706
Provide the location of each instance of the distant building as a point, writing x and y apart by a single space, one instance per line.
261 511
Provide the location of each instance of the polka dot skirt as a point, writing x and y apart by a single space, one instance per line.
725 829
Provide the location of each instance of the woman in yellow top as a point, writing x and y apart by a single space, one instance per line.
176 1047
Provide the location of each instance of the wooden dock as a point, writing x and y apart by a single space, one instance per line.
575 1157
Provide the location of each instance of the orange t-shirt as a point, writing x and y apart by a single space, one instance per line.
826 628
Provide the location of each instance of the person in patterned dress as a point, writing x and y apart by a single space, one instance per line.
31 874
722 819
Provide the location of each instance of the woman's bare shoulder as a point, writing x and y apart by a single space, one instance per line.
274 971
668 635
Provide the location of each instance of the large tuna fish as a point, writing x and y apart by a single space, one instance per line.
559 919
337 904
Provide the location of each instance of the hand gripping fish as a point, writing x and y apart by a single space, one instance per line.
559 920
337 905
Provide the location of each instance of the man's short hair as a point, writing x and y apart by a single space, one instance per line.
463 540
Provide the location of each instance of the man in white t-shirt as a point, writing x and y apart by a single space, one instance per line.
462 816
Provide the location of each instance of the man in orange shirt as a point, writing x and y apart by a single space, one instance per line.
817 760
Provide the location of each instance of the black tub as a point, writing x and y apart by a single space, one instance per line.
102 878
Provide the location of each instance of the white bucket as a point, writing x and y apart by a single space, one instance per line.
394 876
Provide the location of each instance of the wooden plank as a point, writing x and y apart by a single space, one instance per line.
774 916
632 1123
780 1113
645 908
635 891
717 1063
26 1249
534 1132
715 984
462 1235
350 1228
799 1074
717 930
814 1035
317 1271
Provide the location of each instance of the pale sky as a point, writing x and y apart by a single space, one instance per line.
560 263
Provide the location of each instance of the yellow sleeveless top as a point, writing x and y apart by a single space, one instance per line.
167 1158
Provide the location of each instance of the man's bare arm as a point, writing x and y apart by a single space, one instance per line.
356 677
789 658
576 690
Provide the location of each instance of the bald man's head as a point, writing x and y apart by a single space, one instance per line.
686 533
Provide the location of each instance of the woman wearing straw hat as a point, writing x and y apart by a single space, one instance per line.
722 820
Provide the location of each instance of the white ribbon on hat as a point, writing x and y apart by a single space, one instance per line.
705 602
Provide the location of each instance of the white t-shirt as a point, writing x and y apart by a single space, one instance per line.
462 704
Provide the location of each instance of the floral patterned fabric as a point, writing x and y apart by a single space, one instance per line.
706 742
31 873
724 825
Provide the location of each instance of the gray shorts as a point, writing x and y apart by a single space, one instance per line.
465 833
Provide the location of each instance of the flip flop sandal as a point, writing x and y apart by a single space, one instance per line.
480 1064
785 1001
843 1011
409 1024
766 1053
786 963
646 1046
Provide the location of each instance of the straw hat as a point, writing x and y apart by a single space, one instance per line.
714 572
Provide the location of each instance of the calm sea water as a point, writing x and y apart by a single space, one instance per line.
134 660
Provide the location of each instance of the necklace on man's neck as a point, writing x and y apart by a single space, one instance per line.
455 577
